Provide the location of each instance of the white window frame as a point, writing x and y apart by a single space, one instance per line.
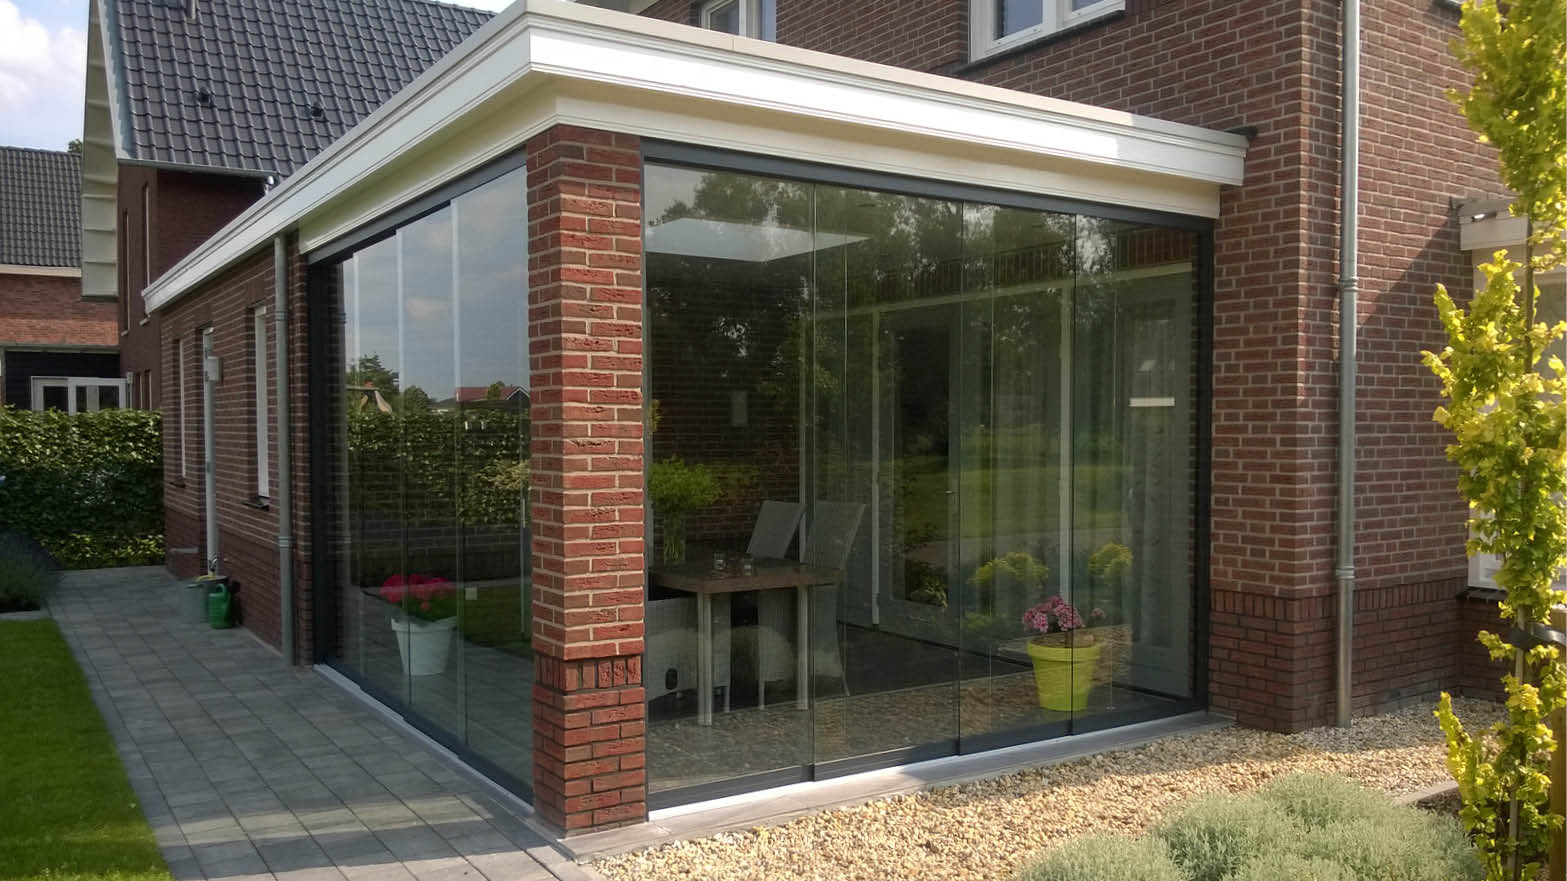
757 17
71 384
179 404
1057 15
263 455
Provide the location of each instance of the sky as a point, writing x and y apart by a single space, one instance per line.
43 52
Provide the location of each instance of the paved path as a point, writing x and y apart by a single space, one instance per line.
248 769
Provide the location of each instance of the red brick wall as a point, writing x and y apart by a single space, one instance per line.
1478 675
585 327
247 525
49 310
1274 66
185 208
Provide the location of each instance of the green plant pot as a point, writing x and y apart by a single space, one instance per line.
1063 675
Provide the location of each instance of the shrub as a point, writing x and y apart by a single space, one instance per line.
88 487
1409 845
1281 866
26 573
1106 858
1318 800
1212 836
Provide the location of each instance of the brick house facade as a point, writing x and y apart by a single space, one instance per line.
1273 71
47 327
1268 591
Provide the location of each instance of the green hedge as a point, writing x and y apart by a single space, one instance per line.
88 487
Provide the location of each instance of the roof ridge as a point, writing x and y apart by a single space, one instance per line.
39 150
484 12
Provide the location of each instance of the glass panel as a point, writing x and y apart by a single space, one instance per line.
1133 461
725 17
83 399
886 348
432 572
432 475
372 470
491 416
1018 276
1016 15
108 397
55 397
728 259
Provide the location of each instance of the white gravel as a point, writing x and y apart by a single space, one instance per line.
984 831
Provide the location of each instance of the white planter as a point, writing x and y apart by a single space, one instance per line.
424 645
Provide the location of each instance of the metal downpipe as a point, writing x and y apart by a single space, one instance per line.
285 460
1349 291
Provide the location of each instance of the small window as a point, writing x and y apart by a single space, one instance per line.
179 405
263 463
146 237
998 25
743 18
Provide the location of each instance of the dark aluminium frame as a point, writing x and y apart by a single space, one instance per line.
324 258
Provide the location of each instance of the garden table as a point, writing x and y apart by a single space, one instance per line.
701 580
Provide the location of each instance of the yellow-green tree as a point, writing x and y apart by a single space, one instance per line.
1510 427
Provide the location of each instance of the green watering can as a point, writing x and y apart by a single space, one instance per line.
220 606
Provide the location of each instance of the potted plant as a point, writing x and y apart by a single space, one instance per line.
676 489
424 614
1065 657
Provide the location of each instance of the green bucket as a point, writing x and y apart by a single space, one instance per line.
220 606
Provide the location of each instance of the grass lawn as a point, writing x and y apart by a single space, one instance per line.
66 807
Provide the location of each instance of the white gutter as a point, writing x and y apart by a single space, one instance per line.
547 46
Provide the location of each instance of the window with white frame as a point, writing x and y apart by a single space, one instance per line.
78 394
263 478
743 18
999 25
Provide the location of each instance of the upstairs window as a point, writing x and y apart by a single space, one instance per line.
999 25
743 18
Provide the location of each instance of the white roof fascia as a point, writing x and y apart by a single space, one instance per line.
537 46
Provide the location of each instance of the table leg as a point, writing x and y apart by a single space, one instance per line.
704 665
802 664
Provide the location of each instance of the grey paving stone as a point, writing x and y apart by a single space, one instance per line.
252 771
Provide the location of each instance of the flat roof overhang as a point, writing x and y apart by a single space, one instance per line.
546 62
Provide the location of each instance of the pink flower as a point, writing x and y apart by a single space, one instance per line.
1054 614
421 589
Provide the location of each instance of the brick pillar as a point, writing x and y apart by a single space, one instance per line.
585 351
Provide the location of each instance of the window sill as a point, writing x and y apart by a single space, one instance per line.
1067 32
260 503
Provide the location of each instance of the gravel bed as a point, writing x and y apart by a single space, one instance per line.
984 831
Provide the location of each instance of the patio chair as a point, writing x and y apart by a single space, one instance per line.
774 530
671 644
827 543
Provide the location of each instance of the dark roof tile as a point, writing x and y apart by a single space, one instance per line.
264 62
40 207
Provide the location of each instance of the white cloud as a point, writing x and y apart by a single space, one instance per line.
41 80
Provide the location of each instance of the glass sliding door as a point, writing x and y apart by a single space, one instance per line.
428 412
967 427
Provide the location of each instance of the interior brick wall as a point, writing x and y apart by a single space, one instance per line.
247 525
1274 67
586 498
